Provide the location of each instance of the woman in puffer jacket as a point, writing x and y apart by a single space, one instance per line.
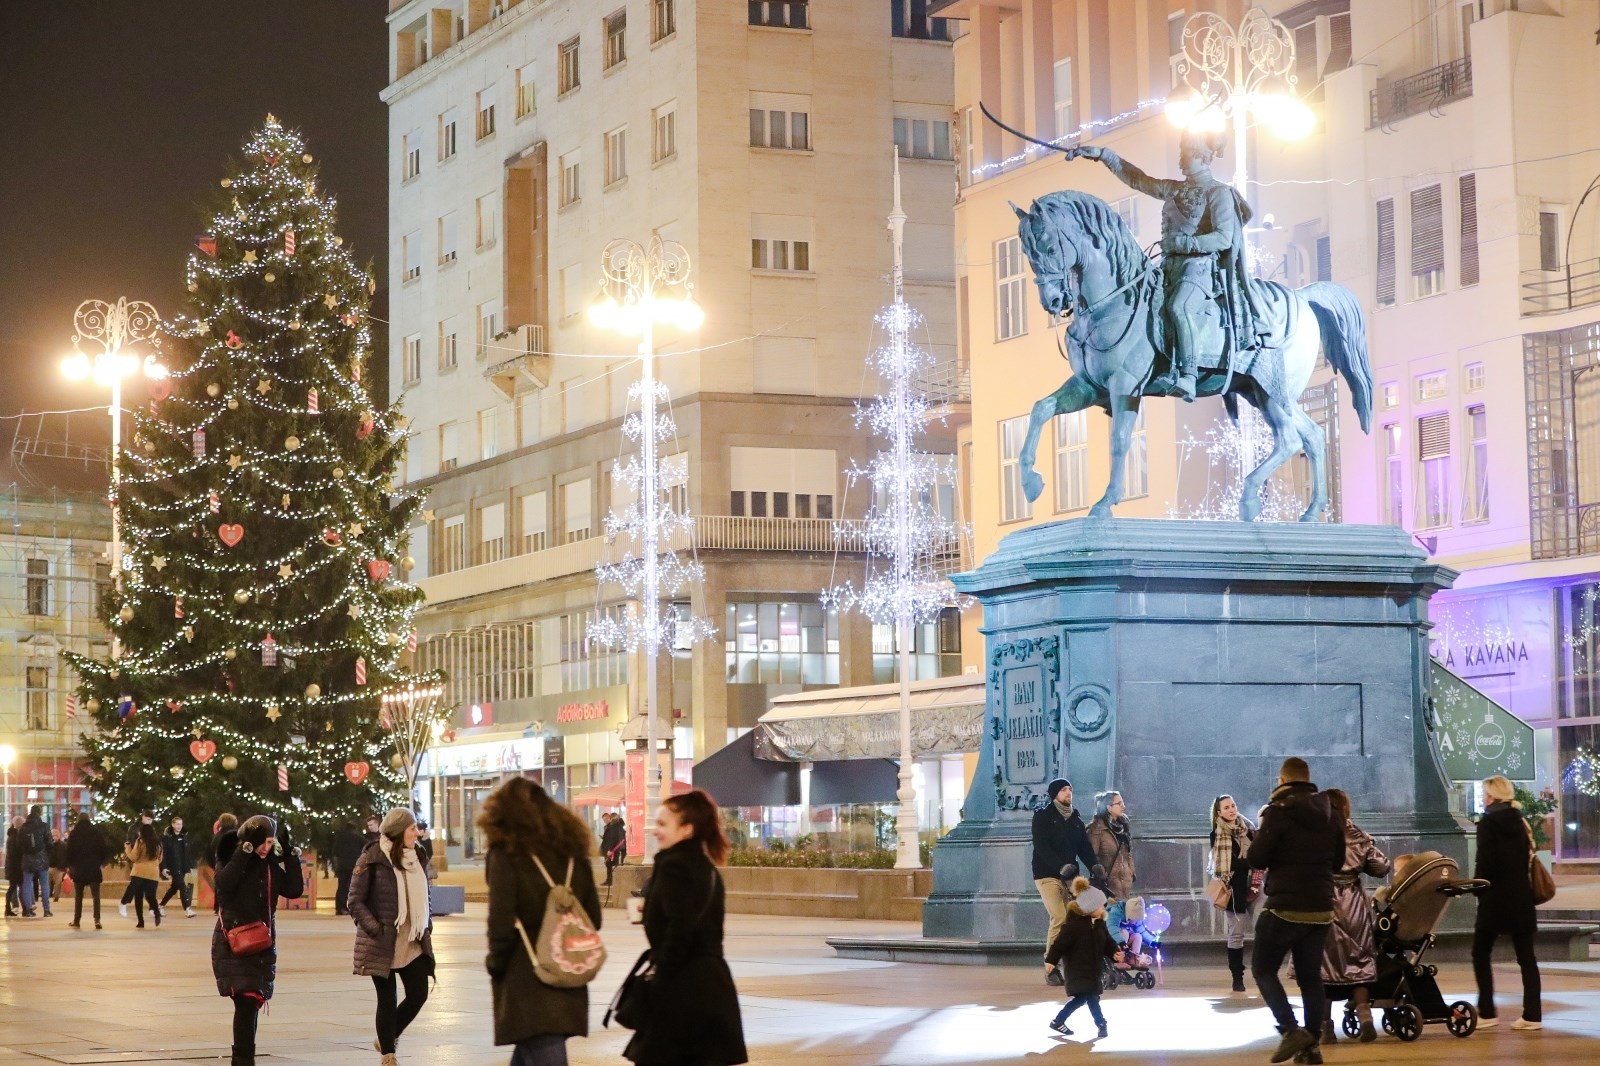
394 931
263 868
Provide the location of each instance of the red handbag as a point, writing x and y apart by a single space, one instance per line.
252 938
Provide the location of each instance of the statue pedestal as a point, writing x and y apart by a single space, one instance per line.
1174 661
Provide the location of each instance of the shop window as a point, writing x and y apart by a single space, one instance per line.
781 643
935 649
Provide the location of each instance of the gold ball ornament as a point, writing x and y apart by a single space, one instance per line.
92 706
396 761
227 183
233 404
408 563
394 639
241 596
231 653
338 472
269 276
192 287
402 422
126 614
213 390
292 443
176 771
338 242
149 447
230 763
306 158
294 323
313 691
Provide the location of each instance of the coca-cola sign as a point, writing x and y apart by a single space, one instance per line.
583 712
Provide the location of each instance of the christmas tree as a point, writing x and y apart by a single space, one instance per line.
261 611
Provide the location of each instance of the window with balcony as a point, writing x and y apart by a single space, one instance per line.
780 120
1549 238
485 125
780 14
1014 503
488 329
527 89
411 255
616 27
663 19
571 178
567 73
1010 289
616 155
38 588
491 534
411 358
922 138
37 710
535 508
410 155
664 132
1072 461
486 216
1475 485
447 135
1427 242
1433 471
446 231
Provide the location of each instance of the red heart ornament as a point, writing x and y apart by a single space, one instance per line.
357 771
203 750
378 570
160 389
364 430
230 534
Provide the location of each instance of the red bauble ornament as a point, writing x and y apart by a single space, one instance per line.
379 570
331 538
230 534
203 750
234 340
357 771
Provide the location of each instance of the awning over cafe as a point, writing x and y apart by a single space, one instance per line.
864 722
1475 736
736 778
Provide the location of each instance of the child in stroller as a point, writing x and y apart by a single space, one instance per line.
1137 931
1408 911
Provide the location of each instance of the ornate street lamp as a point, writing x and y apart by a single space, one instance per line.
416 715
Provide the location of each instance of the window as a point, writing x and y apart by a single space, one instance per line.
567 66
449 447
447 344
39 586
969 149
1014 505
1324 257
491 533
447 135
1386 267
1010 289
488 328
447 238
411 255
1427 242
1391 394
1394 501
1136 468
616 155
1475 486
529 424
781 14
573 293
779 482
1474 377
571 178
38 710
1467 186
781 643
1433 385
780 242
576 520
1549 240
1063 86
1433 471
1127 209
411 155
411 348
453 545
487 212
663 19
1072 461
103 587
664 132
922 138
485 125
616 38
527 81
909 18
535 522
780 120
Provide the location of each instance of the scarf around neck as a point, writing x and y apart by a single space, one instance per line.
413 889
1065 810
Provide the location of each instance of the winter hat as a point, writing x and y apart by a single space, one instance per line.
397 822
1088 898
1056 786
1498 788
257 830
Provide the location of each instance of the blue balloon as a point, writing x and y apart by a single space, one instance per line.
1157 919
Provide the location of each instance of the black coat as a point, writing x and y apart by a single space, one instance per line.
87 853
374 905
243 898
614 841
175 854
1059 840
222 846
1504 849
1082 942
694 1008
347 848
525 1006
13 856
1300 844
33 841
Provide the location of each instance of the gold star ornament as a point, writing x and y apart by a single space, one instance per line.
355 610
331 301
285 570
273 714
233 462
265 386
159 562
250 256
356 529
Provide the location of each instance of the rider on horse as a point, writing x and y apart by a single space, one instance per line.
1202 236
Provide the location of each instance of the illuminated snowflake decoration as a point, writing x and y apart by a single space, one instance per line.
1583 773
1230 450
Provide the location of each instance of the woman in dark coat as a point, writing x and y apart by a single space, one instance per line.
1350 953
1231 833
520 820
693 1016
1505 851
394 928
263 868
86 856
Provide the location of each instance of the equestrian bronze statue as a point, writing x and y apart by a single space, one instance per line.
1198 316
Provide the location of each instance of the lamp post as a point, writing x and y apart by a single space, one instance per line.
416 716
112 328
645 286
1237 73
8 755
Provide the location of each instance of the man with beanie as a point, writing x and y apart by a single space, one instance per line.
1060 852
1300 844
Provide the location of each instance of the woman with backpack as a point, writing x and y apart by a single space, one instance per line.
262 868
693 1012
394 928
521 824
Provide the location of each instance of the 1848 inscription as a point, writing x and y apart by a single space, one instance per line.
1025 718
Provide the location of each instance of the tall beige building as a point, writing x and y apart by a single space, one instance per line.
761 136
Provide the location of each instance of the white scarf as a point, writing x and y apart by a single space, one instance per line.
413 888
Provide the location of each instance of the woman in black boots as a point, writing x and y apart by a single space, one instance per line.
1230 839
263 868
86 856
144 858
394 932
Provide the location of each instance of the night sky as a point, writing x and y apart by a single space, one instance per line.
117 118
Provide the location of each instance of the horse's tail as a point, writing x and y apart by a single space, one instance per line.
1344 339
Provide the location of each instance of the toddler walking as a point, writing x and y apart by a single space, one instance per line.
1081 944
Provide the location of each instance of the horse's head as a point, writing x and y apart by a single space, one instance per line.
1052 255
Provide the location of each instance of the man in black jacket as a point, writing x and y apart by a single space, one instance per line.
175 864
347 848
1060 845
33 844
1300 844
613 843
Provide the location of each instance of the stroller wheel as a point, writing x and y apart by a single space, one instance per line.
1407 1022
1388 1022
1144 979
1463 1019
1352 1022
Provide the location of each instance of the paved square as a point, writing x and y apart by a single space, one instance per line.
147 997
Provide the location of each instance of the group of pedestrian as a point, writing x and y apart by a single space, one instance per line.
28 853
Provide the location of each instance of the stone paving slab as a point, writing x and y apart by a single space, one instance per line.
147 998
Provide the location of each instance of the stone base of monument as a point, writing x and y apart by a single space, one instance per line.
1174 661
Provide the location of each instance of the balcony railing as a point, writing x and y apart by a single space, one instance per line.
947 382
1548 292
742 533
528 366
1394 100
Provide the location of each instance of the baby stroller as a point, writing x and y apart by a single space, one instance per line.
1137 931
1408 911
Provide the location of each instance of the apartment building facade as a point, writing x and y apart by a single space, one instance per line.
1449 184
761 136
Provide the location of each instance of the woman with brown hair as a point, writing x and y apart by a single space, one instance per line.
521 822
144 858
394 929
693 1014
1350 954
